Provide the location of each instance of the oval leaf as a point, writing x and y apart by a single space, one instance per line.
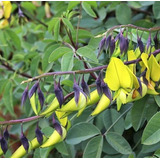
88 9
94 148
80 132
151 133
118 143
123 14
57 53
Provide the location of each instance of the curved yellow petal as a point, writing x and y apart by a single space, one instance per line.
64 120
33 103
154 68
20 152
117 76
7 9
55 138
102 105
51 108
72 106
132 56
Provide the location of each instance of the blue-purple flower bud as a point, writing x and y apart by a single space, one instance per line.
33 89
98 83
39 135
149 41
112 45
4 145
59 93
156 41
85 87
24 96
40 97
117 37
25 142
101 45
108 40
6 133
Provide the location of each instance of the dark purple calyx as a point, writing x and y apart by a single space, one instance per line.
39 135
140 87
106 90
24 96
101 45
98 83
40 97
140 44
57 126
112 45
33 89
85 87
156 41
4 145
6 133
149 41
59 93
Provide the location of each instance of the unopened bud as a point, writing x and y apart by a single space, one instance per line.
33 89
112 45
156 42
59 93
85 87
149 41
24 96
140 44
98 83
6 133
39 134
101 45
4 145
40 97
108 40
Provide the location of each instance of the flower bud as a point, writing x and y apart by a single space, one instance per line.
140 44
149 41
4 145
6 133
24 96
98 84
59 93
117 37
108 40
156 42
112 45
40 97
33 89
20 13
122 43
106 90
85 87
39 135
101 45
